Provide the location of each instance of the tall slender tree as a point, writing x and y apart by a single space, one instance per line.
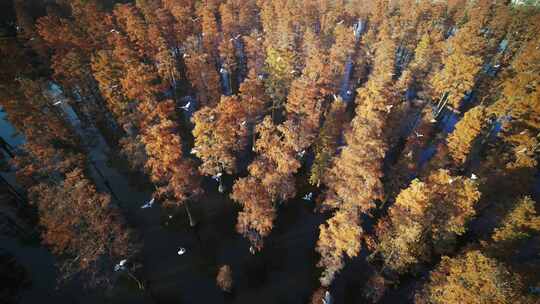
327 141
270 182
473 277
467 130
221 133
83 228
202 73
426 219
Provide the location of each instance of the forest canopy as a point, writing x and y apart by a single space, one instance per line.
409 130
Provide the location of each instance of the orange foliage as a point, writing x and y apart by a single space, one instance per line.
82 226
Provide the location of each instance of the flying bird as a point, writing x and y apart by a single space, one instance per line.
327 298
120 265
148 204
186 106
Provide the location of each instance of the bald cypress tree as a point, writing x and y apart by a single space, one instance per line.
467 130
201 72
270 182
472 276
182 11
83 228
520 224
340 236
327 141
221 133
210 35
463 58
425 220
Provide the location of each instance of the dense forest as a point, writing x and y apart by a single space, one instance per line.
270 151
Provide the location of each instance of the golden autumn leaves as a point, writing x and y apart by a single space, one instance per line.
83 227
426 219
288 60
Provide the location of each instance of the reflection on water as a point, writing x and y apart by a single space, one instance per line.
8 132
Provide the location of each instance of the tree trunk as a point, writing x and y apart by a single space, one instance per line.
221 188
192 222
139 283
441 104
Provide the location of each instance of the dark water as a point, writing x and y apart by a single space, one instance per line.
346 91
284 272
10 135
